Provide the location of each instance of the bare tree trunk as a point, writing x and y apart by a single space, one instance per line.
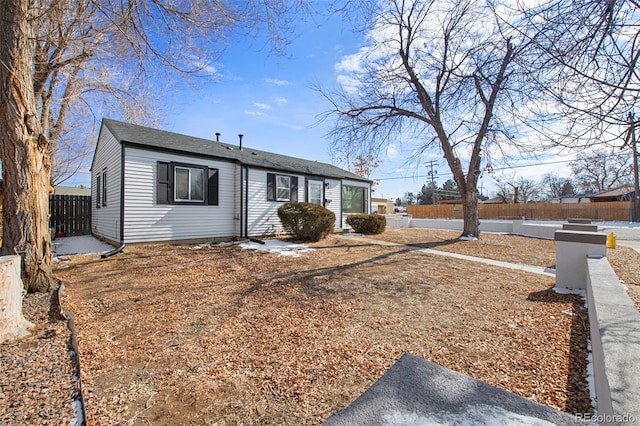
470 212
26 166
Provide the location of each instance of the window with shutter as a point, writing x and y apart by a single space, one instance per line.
178 183
282 187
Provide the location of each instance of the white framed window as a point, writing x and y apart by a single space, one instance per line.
103 189
283 188
188 184
315 191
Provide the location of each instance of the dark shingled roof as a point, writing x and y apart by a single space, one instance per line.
146 137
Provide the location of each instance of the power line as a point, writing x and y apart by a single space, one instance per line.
495 169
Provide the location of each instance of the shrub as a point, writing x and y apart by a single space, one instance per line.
306 221
367 223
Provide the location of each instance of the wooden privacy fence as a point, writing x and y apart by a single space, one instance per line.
70 214
612 211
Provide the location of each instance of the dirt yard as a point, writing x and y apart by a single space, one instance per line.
174 334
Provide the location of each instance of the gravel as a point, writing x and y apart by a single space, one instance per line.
36 372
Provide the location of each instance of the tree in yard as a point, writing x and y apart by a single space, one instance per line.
443 73
59 59
557 187
410 198
520 190
590 51
26 165
427 194
364 165
600 170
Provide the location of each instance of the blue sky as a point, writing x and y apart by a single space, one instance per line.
271 101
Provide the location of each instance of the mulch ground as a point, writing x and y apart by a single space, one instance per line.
218 335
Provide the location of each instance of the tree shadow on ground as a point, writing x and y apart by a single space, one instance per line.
310 278
433 244
578 400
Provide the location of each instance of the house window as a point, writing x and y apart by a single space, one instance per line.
353 199
178 183
282 187
99 190
188 184
103 188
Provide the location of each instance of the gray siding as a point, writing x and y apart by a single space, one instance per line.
332 195
105 221
147 221
262 214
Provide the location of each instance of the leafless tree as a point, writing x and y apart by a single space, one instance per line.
588 51
557 187
600 170
444 74
517 190
61 58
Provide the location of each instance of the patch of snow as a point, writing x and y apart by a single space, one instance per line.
578 291
78 413
352 234
83 244
282 248
468 238
476 414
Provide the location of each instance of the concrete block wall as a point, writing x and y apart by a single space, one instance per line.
614 322
517 227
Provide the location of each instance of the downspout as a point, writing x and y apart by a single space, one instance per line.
246 204
241 200
121 247
121 194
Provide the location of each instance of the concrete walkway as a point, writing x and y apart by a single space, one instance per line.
418 392
518 266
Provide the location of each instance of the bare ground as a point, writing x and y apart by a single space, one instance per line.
218 335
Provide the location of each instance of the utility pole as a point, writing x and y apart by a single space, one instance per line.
433 174
636 191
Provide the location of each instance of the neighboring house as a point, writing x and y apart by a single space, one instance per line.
381 206
621 193
574 198
153 185
71 190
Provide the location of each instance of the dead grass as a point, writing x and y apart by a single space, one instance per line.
172 335
626 262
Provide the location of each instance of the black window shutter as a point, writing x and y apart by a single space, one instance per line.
104 188
294 189
163 188
271 187
212 188
98 191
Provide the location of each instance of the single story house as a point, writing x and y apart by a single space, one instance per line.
154 185
620 193
81 190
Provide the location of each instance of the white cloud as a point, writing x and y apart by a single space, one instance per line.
281 101
392 151
350 63
276 81
254 113
349 84
262 106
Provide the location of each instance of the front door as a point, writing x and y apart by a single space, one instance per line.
314 192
